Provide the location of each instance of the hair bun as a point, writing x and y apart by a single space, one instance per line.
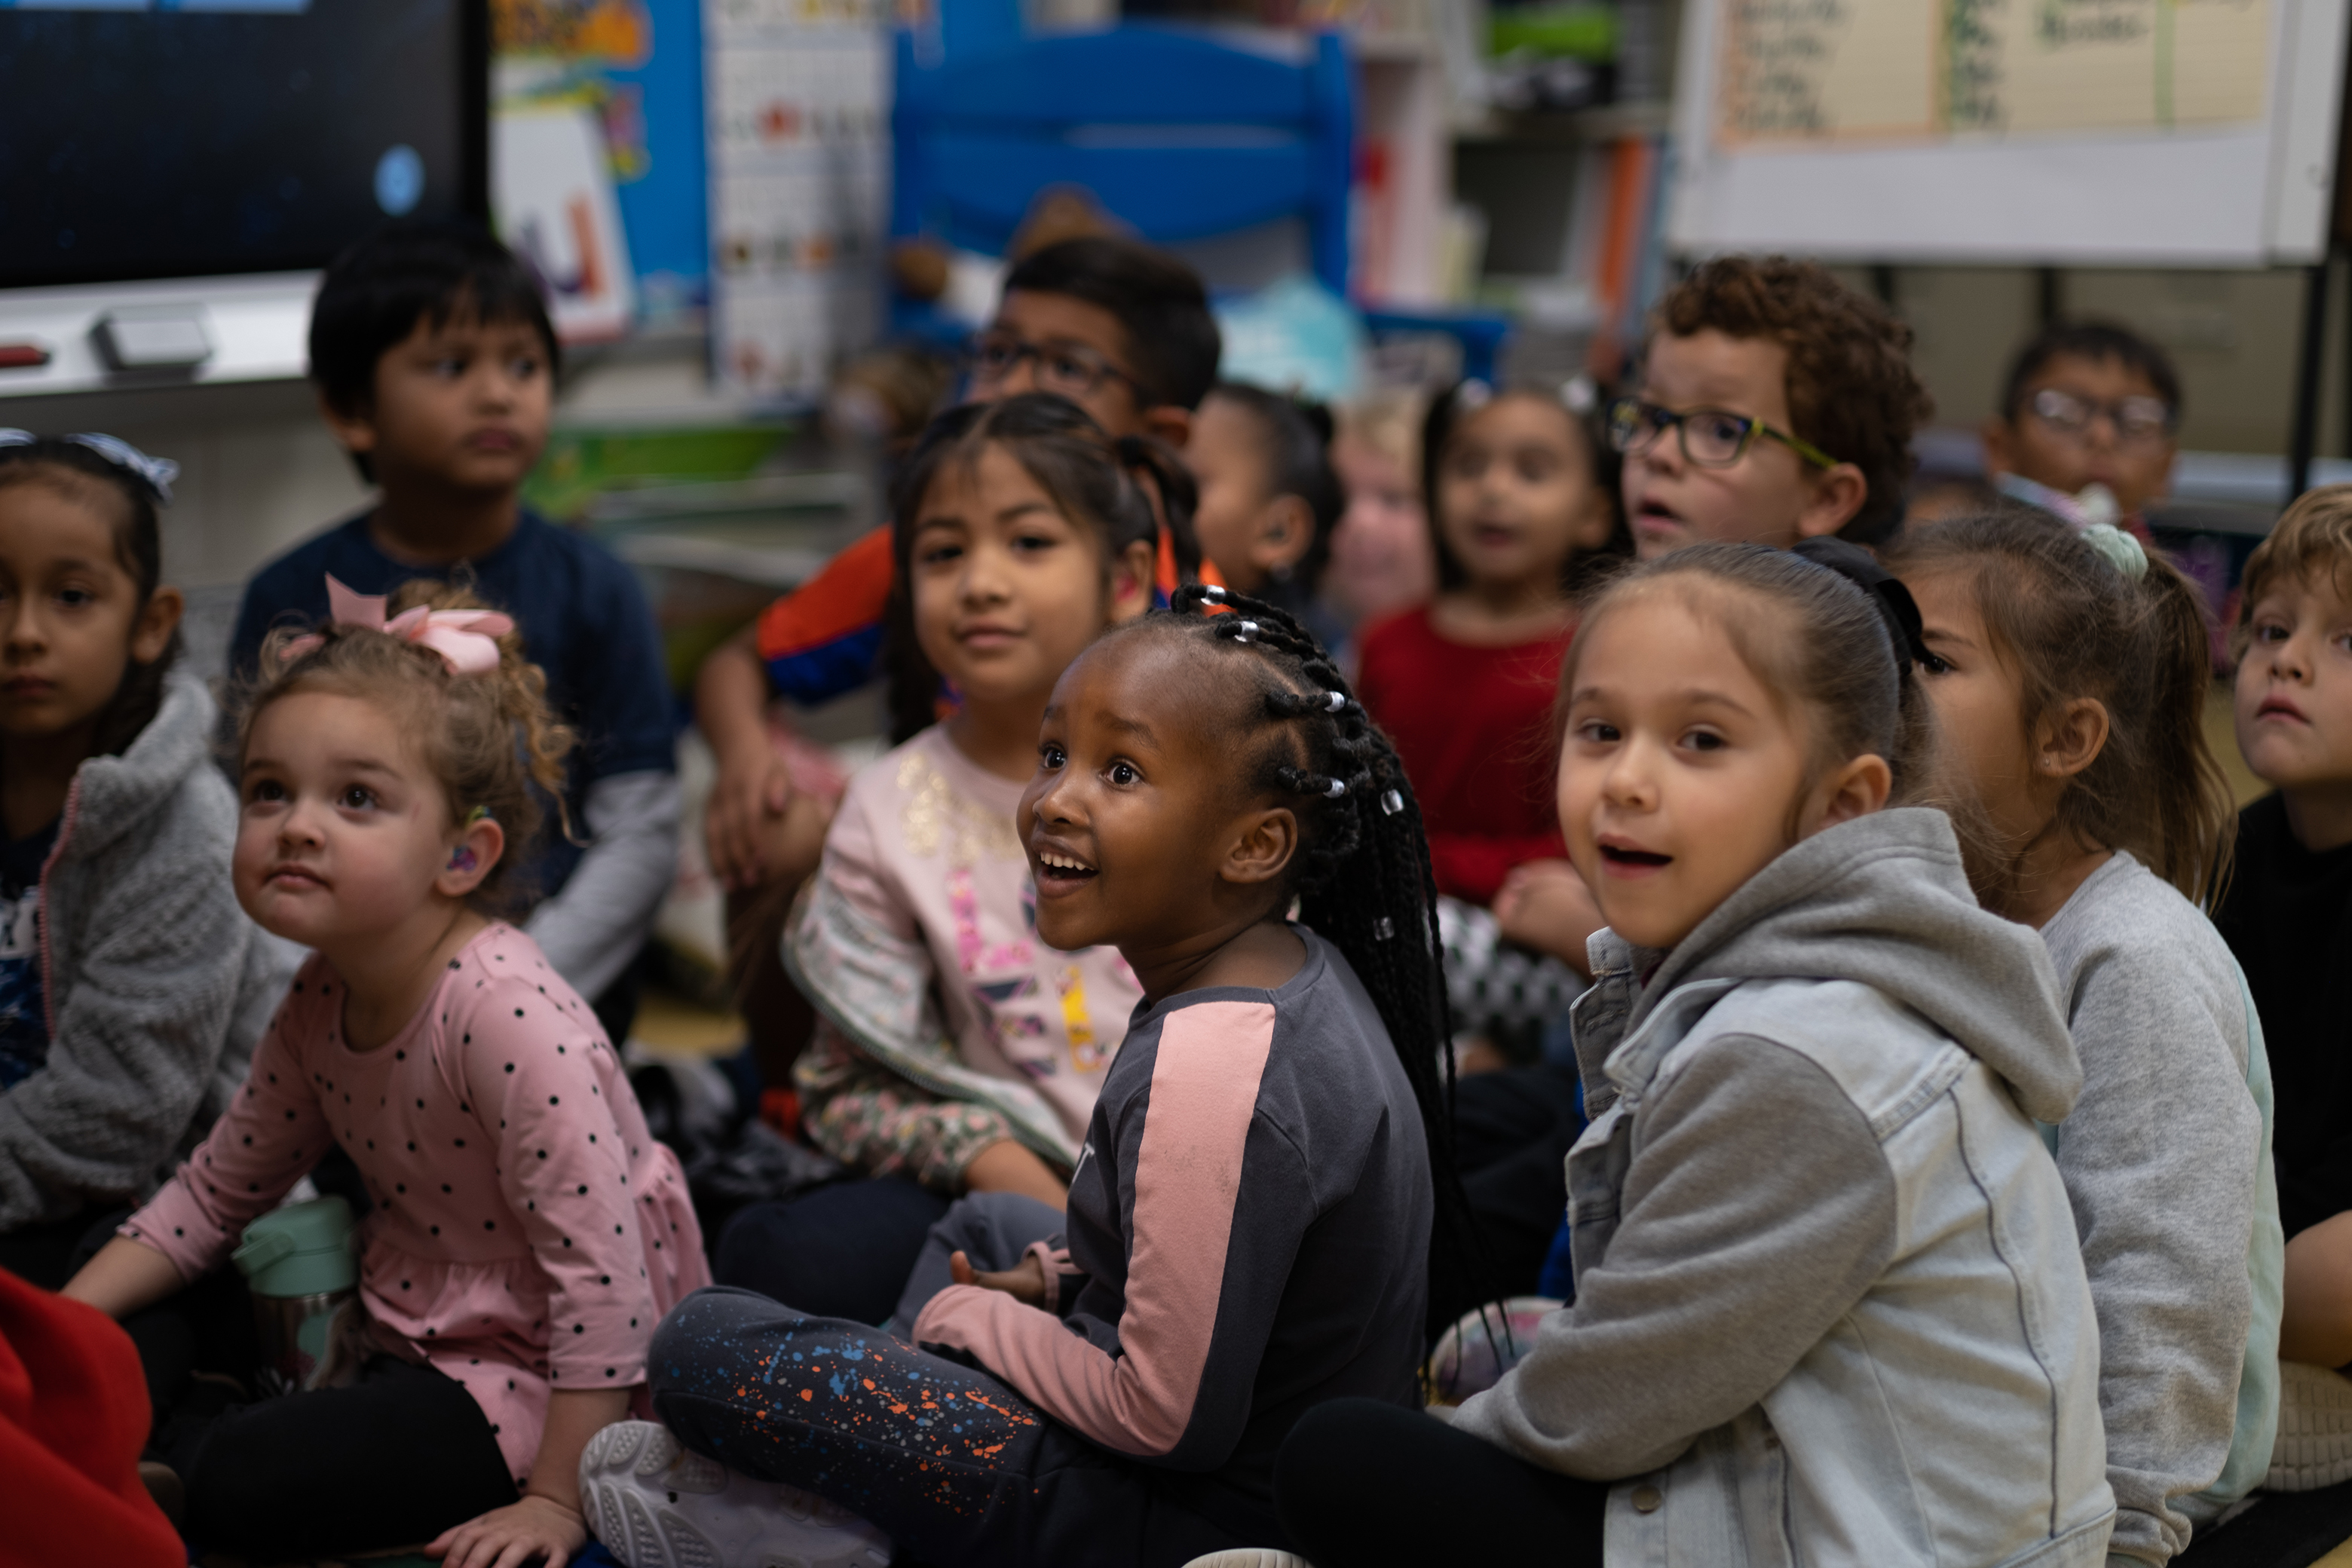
1904 629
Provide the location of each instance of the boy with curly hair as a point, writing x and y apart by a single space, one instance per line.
1774 405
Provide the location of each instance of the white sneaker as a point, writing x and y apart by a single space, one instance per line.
655 1505
2314 1447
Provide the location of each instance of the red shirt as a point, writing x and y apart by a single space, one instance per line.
1473 726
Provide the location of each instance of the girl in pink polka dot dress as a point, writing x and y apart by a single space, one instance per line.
528 1234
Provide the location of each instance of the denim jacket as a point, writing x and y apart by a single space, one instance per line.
1831 1307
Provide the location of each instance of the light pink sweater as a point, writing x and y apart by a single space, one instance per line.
528 1233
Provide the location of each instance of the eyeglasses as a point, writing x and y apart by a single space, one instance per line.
1071 369
1710 438
2134 419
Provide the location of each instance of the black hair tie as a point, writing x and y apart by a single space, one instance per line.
1895 605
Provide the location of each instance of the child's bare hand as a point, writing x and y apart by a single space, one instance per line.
536 1528
747 805
1025 1281
1545 905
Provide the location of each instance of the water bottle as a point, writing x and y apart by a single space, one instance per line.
297 1262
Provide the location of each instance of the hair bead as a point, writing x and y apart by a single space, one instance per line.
1212 593
1392 803
1335 700
1334 788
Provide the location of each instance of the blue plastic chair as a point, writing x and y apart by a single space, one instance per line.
1174 132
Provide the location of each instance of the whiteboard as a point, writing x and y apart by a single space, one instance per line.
2169 132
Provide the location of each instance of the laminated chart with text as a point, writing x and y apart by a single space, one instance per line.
1855 71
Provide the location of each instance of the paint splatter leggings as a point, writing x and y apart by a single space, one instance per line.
957 1468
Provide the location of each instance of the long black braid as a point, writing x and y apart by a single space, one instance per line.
1362 873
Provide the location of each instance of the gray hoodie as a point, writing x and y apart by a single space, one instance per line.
157 985
1829 1303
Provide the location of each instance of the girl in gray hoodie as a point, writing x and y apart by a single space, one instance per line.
132 986
1829 1304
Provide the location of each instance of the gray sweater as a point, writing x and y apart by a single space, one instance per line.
2165 1156
157 985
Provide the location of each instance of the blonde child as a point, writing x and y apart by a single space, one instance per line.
1830 1306
2068 670
132 988
1381 560
957 1052
527 1234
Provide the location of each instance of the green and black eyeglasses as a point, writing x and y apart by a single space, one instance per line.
1710 438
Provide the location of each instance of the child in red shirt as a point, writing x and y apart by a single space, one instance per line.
1518 505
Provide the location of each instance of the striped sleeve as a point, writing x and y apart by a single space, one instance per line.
825 638
1220 1203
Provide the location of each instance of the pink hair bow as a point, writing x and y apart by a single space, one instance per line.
467 639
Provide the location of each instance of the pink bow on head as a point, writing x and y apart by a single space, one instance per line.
467 639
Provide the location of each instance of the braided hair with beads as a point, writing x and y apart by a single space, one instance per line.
1362 874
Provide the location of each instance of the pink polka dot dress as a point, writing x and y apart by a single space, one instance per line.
528 1233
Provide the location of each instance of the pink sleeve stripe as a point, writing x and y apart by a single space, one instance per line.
1187 1179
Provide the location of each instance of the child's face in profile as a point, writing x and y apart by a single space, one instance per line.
1132 820
2293 702
70 620
1007 591
1515 494
1248 531
1768 495
461 408
343 835
1979 707
2088 421
1680 773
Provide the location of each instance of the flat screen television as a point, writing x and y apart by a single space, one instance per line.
180 139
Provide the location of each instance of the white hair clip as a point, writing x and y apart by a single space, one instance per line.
155 473
2123 553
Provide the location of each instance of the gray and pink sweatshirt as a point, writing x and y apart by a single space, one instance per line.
1250 1218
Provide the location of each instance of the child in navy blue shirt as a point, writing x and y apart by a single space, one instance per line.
435 361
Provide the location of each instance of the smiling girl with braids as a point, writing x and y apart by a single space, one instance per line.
1248 1232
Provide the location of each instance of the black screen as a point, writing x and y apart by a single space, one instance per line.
202 137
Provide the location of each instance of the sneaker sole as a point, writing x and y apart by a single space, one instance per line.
613 1471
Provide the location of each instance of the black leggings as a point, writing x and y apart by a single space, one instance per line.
1456 1497
842 1251
392 1460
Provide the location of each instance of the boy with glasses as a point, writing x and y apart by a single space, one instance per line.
1774 405
2087 404
1117 327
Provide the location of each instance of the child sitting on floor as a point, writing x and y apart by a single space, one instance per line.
1774 405
957 1052
436 367
527 1233
1382 558
2068 670
1117 327
2087 403
1269 500
1249 1232
1830 1302
131 987
2287 915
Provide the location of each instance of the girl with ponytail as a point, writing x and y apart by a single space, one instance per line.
954 1051
2069 669
525 1234
1829 1306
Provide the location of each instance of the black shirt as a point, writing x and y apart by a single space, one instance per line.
2288 918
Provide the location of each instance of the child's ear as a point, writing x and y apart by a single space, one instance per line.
352 428
473 851
1997 456
2072 738
1836 495
1263 843
1286 530
1130 582
1596 520
152 632
1168 422
1856 789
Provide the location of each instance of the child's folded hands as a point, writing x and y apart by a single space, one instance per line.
1025 1281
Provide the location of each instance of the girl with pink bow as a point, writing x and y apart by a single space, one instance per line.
527 1232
